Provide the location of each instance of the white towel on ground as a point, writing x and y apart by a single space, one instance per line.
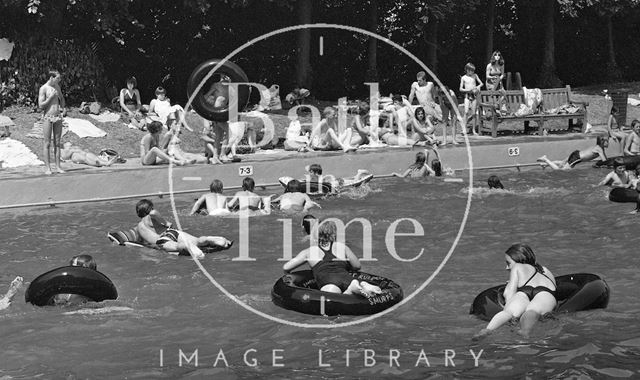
84 128
14 153
106 117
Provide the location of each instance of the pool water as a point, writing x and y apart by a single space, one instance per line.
167 306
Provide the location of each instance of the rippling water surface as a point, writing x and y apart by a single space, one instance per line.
166 305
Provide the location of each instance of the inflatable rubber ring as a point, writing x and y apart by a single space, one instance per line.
622 195
205 108
81 281
575 292
298 291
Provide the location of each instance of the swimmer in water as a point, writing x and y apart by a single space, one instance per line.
5 301
619 176
215 202
246 199
62 299
155 230
529 294
418 169
295 200
494 182
330 262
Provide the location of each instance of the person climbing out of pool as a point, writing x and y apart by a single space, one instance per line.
155 230
418 169
330 262
494 182
632 143
619 176
246 199
214 202
578 156
5 301
295 200
529 294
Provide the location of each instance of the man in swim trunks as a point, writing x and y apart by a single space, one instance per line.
214 202
330 262
155 230
51 101
578 156
632 143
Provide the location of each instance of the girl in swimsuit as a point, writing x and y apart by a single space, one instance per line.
330 262
495 72
130 103
529 293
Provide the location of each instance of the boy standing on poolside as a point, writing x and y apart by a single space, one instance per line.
470 85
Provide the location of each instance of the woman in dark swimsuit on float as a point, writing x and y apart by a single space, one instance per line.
330 262
529 293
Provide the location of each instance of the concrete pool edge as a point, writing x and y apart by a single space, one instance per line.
32 188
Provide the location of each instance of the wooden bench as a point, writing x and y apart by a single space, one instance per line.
491 101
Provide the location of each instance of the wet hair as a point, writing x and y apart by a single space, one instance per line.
328 111
469 66
248 184
421 159
85 261
293 186
154 127
494 182
53 73
144 207
160 90
307 221
133 81
315 169
523 254
216 186
436 166
619 161
421 75
326 232
420 109
493 59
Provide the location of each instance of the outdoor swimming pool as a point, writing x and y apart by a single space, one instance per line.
166 304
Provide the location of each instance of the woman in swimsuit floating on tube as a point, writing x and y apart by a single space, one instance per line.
530 292
330 261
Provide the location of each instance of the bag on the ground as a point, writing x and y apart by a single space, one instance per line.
109 154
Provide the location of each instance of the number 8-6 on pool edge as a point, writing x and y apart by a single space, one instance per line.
244 171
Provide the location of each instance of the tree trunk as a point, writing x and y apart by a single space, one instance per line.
547 77
432 45
372 52
491 17
613 71
303 68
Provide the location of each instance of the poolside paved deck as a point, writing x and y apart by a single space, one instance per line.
28 186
